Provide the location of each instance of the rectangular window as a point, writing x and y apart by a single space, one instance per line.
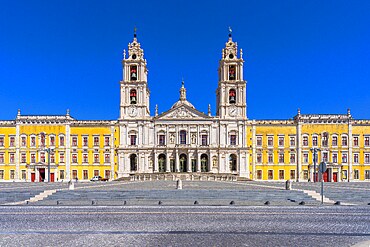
292 174
12 174
96 172
107 173
344 174
11 158
74 158
106 141
133 72
270 174
52 140
232 139
270 141
96 141
314 141
305 174
204 140
96 158
355 141
344 141
74 174
367 174
61 157
334 141
325 156
61 174
42 140
74 141
107 158
281 175
1 141
367 141
231 72
33 158
132 140
85 174
12 141
324 139
281 141
1 174
259 174
33 141
305 141
281 158
85 158
259 141
85 141
61 141
344 158
23 158
1 158
367 158
355 158
356 174
335 158
161 140
24 175
42 157
24 141
292 158
259 158
270 158
305 158
292 141
52 158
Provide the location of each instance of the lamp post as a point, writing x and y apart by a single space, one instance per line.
314 151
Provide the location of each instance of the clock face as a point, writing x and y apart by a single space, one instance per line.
132 111
233 111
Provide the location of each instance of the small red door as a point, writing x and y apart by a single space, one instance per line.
335 177
33 177
51 177
325 176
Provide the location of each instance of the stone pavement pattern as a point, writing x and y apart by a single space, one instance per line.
183 226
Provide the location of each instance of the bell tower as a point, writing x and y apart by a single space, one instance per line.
231 91
134 85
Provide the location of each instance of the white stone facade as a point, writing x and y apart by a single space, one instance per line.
183 139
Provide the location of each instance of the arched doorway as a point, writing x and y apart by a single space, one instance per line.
183 162
204 163
162 163
232 163
133 162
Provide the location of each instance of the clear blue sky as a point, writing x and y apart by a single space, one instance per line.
313 55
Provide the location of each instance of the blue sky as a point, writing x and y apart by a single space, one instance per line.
62 54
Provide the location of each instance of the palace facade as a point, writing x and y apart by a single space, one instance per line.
183 140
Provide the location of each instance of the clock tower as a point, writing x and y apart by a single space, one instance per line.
134 85
231 91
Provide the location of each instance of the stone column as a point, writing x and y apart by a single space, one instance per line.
68 152
299 150
17 154
350 154
189 161
155 162
177 162
198 162
168 164
254 158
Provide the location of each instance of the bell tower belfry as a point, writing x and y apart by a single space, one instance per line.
231 91
134 85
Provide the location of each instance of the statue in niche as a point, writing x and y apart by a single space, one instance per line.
193 138
172 138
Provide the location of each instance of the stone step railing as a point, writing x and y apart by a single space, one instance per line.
183 176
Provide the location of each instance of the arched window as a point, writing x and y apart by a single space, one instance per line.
232 162
182 136
204 163
133 96
133 72
133 162
183 163
232 96
162 163
232 72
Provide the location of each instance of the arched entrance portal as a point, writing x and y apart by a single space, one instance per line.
133 162
204 163
232 162
183 162
161 163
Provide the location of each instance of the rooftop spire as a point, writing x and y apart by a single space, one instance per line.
230 32
135 31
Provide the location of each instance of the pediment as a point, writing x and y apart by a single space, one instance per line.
182 112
